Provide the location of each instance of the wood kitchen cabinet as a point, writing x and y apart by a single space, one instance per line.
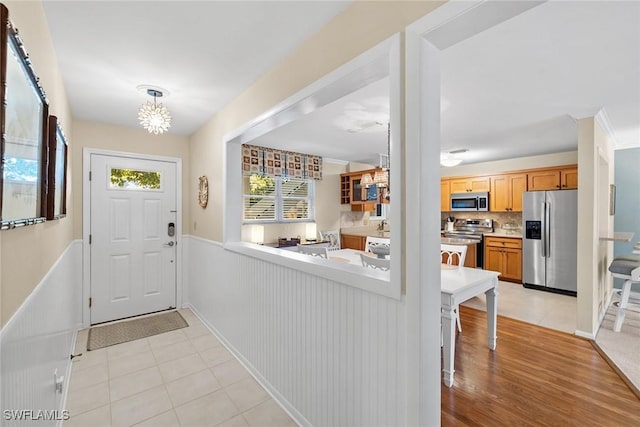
349 241
569 178
353 193
506 192
470 184
504 254
445 195
565 178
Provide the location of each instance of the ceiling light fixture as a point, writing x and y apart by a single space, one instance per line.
449 159
154 117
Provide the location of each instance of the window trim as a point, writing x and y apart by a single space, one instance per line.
279 214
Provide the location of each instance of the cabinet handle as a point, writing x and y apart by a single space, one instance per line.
557 186
564 185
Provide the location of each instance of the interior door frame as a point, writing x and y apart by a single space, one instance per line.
86 222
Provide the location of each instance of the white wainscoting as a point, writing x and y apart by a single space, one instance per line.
38 340
331 354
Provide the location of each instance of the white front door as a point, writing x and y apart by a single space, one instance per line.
133 236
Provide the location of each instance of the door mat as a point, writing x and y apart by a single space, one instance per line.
117 333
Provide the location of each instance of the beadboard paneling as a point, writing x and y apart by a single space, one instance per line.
39 338
332 354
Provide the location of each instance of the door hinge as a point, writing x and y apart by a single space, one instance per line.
89 238
90 301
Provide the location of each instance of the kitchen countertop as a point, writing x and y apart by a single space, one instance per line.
455 241
364 232
499 232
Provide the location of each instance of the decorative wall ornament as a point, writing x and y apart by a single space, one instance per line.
288 164
203 191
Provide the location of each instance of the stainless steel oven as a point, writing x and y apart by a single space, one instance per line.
470 202
473 229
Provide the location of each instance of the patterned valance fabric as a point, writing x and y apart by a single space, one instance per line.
269 161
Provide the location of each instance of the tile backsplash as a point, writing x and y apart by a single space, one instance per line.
499 218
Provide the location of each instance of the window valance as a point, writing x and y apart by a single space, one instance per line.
270 161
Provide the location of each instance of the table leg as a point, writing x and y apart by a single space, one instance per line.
492 314
448 319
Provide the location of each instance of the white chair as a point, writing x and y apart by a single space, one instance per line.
333 237
454 255
375 241
375 263
625 267
317 251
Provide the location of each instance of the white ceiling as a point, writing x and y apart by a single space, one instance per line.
205 53
513 90
510 91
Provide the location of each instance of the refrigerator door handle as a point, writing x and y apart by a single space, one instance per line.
547 229
543 226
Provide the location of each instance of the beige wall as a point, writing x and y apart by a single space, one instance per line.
28 253
531 162
595 173
361 26
129 140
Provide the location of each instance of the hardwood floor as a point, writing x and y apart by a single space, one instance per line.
536 377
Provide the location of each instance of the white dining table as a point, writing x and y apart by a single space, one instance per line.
457 285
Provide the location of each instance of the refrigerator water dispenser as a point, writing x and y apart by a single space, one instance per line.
533 230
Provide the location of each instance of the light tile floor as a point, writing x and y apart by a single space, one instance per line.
182 378
541 308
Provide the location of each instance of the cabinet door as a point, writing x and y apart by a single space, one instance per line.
512 264
500 191
544 180
569 178
349 241
356 190
459 185
445 195
481 183
493 259
518 184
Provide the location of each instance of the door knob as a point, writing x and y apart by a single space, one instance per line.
170 244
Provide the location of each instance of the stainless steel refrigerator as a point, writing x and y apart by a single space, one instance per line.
550 240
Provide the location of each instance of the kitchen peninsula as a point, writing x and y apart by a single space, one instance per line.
355 237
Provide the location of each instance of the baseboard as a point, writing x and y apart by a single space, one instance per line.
587 335
275 394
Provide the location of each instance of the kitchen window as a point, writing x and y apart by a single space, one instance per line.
277 199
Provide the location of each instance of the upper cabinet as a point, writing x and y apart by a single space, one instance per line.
569 178
445 195
506 192
360 198
554 179
469 184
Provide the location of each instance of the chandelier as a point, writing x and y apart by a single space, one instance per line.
154 117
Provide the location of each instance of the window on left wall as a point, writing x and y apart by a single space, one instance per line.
277 199
24 150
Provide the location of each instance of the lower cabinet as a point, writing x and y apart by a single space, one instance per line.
349 241
504 254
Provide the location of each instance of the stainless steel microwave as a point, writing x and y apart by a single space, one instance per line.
469 202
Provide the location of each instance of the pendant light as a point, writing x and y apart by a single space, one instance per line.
154 117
